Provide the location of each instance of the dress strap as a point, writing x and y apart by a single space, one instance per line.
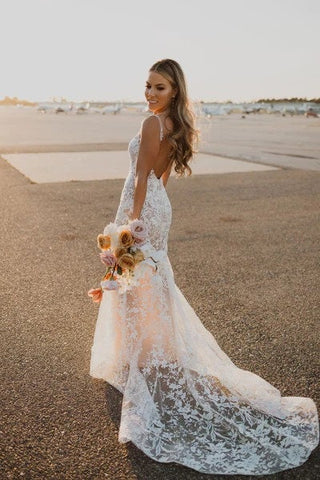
161 128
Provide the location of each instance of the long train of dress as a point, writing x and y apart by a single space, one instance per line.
184 400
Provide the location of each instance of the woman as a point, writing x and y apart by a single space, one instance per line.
184 400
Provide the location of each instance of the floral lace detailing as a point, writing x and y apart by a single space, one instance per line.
156 210
184 400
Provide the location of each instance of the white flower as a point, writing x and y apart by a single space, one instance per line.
112 230
147 249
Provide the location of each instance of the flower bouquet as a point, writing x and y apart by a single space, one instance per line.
121 252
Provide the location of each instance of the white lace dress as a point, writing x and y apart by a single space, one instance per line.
184 400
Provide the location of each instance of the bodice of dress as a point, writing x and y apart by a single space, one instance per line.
156 212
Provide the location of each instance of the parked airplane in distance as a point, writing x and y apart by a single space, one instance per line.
112 109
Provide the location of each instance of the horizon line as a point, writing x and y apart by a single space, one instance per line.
54 99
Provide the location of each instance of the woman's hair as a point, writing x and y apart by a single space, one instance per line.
184 135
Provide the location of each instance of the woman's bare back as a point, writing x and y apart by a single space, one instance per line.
163 162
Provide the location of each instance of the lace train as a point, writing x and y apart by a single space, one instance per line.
184 400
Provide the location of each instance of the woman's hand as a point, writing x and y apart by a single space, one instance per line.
147 159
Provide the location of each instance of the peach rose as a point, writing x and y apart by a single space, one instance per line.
126 261
95 294
104 241
126 239
138 257
120 251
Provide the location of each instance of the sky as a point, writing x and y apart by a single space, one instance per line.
238 50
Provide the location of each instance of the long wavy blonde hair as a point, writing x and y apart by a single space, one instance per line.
184 136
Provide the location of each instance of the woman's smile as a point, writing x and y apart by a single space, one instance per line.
158 92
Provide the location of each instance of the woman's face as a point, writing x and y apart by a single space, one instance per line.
158 92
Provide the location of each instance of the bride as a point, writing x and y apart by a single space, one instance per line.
184 400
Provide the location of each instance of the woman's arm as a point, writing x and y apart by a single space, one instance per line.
147 159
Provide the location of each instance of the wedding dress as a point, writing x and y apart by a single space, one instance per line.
184 400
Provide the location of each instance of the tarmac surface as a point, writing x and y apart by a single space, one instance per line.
257 240
67 166
287 142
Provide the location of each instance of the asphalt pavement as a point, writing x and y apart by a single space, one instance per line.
256 236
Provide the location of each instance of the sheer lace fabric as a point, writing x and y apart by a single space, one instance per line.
184 400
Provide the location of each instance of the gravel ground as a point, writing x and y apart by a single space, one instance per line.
256 236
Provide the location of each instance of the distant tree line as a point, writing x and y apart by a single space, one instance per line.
293 99
16 101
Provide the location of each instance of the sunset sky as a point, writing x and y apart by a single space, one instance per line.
238 50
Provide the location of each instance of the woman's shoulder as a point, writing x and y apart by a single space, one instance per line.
150 126
155 124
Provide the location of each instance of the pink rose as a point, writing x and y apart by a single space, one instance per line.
95 294
108 258
139 231
139 242
109 285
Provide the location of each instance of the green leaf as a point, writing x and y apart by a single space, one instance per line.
119 270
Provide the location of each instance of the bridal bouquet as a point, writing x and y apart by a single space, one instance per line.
121 252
